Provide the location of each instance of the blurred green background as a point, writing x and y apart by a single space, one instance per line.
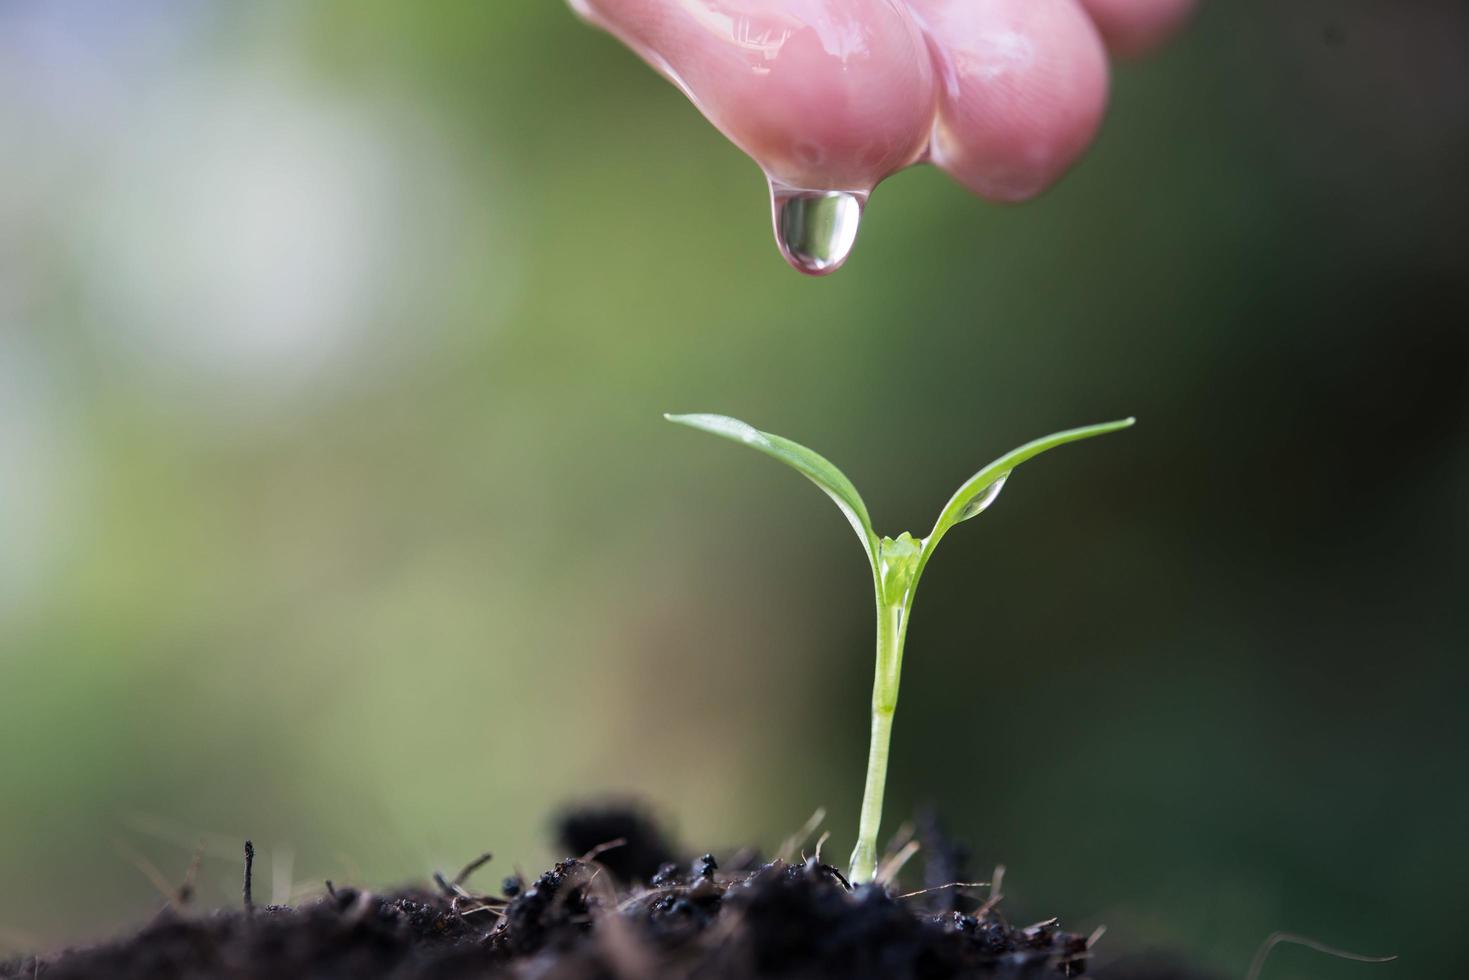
336 509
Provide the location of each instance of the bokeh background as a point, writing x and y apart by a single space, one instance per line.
336 509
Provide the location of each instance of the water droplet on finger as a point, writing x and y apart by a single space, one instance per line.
815 229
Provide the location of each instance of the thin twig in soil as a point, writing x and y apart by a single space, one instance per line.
650 894
798 840
484 906
481 908
452 889
601 888
887 872
1276 938
939 888
249 871
898 841
601 849
472 867
997 880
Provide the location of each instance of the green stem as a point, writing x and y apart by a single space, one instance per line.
892 626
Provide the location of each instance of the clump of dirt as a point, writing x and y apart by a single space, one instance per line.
642 847
640 916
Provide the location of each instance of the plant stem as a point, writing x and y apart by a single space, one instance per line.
892 626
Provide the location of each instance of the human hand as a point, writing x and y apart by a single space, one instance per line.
831 96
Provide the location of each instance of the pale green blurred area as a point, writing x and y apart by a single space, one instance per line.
336 510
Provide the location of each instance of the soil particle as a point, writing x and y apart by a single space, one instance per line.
580 921
705 867
554 910
642 850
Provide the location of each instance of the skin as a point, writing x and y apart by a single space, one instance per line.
1004 95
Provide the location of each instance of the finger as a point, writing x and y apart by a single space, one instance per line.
1134 27
1022 87
824 94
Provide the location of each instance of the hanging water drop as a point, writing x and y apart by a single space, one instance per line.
815 229
985 497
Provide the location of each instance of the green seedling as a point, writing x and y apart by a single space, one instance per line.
897 565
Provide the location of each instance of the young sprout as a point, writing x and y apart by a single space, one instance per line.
897 564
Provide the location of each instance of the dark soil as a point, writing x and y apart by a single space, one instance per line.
634 911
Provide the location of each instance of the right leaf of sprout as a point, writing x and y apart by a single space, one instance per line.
981 489
812 465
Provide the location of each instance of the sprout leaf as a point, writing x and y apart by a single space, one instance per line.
981 489
812 465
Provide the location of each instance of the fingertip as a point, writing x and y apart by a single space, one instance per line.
823 94
1023 87
1132 28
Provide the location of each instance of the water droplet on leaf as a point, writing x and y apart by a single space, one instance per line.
815 229
985 497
